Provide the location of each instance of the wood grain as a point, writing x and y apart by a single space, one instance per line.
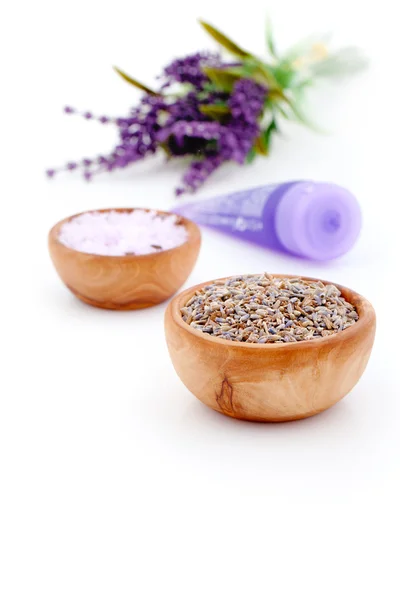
270 382
125 282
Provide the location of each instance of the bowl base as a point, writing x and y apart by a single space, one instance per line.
283 419
109 305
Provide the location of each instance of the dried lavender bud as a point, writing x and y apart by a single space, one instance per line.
270 324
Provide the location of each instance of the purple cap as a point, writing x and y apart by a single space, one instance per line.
318 220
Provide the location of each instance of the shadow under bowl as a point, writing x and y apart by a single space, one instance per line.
270 382
125 282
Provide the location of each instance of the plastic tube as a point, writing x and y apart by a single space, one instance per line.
314 220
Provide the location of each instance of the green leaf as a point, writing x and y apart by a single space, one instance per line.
270 39
285 75
208 87
260 72
299 94
300 116
136 83
224 41
164 146
251 156
223 78
217 112
263 142
303 84
259 145
267 134
344 62
275 96
283 112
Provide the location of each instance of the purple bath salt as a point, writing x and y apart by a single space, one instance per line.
121 233
314 220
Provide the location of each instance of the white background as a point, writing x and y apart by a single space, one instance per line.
115 482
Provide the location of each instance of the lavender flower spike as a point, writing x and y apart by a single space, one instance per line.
207 109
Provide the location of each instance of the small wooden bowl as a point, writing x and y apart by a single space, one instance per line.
270 382
125 282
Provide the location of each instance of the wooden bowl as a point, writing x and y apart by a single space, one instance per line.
270 382
125 282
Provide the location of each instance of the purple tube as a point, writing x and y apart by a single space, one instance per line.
314 220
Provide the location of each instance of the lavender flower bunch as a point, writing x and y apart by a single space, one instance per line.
216 111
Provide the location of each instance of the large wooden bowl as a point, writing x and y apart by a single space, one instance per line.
125 282
270 382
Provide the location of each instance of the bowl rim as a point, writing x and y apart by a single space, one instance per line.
193 230
364 308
